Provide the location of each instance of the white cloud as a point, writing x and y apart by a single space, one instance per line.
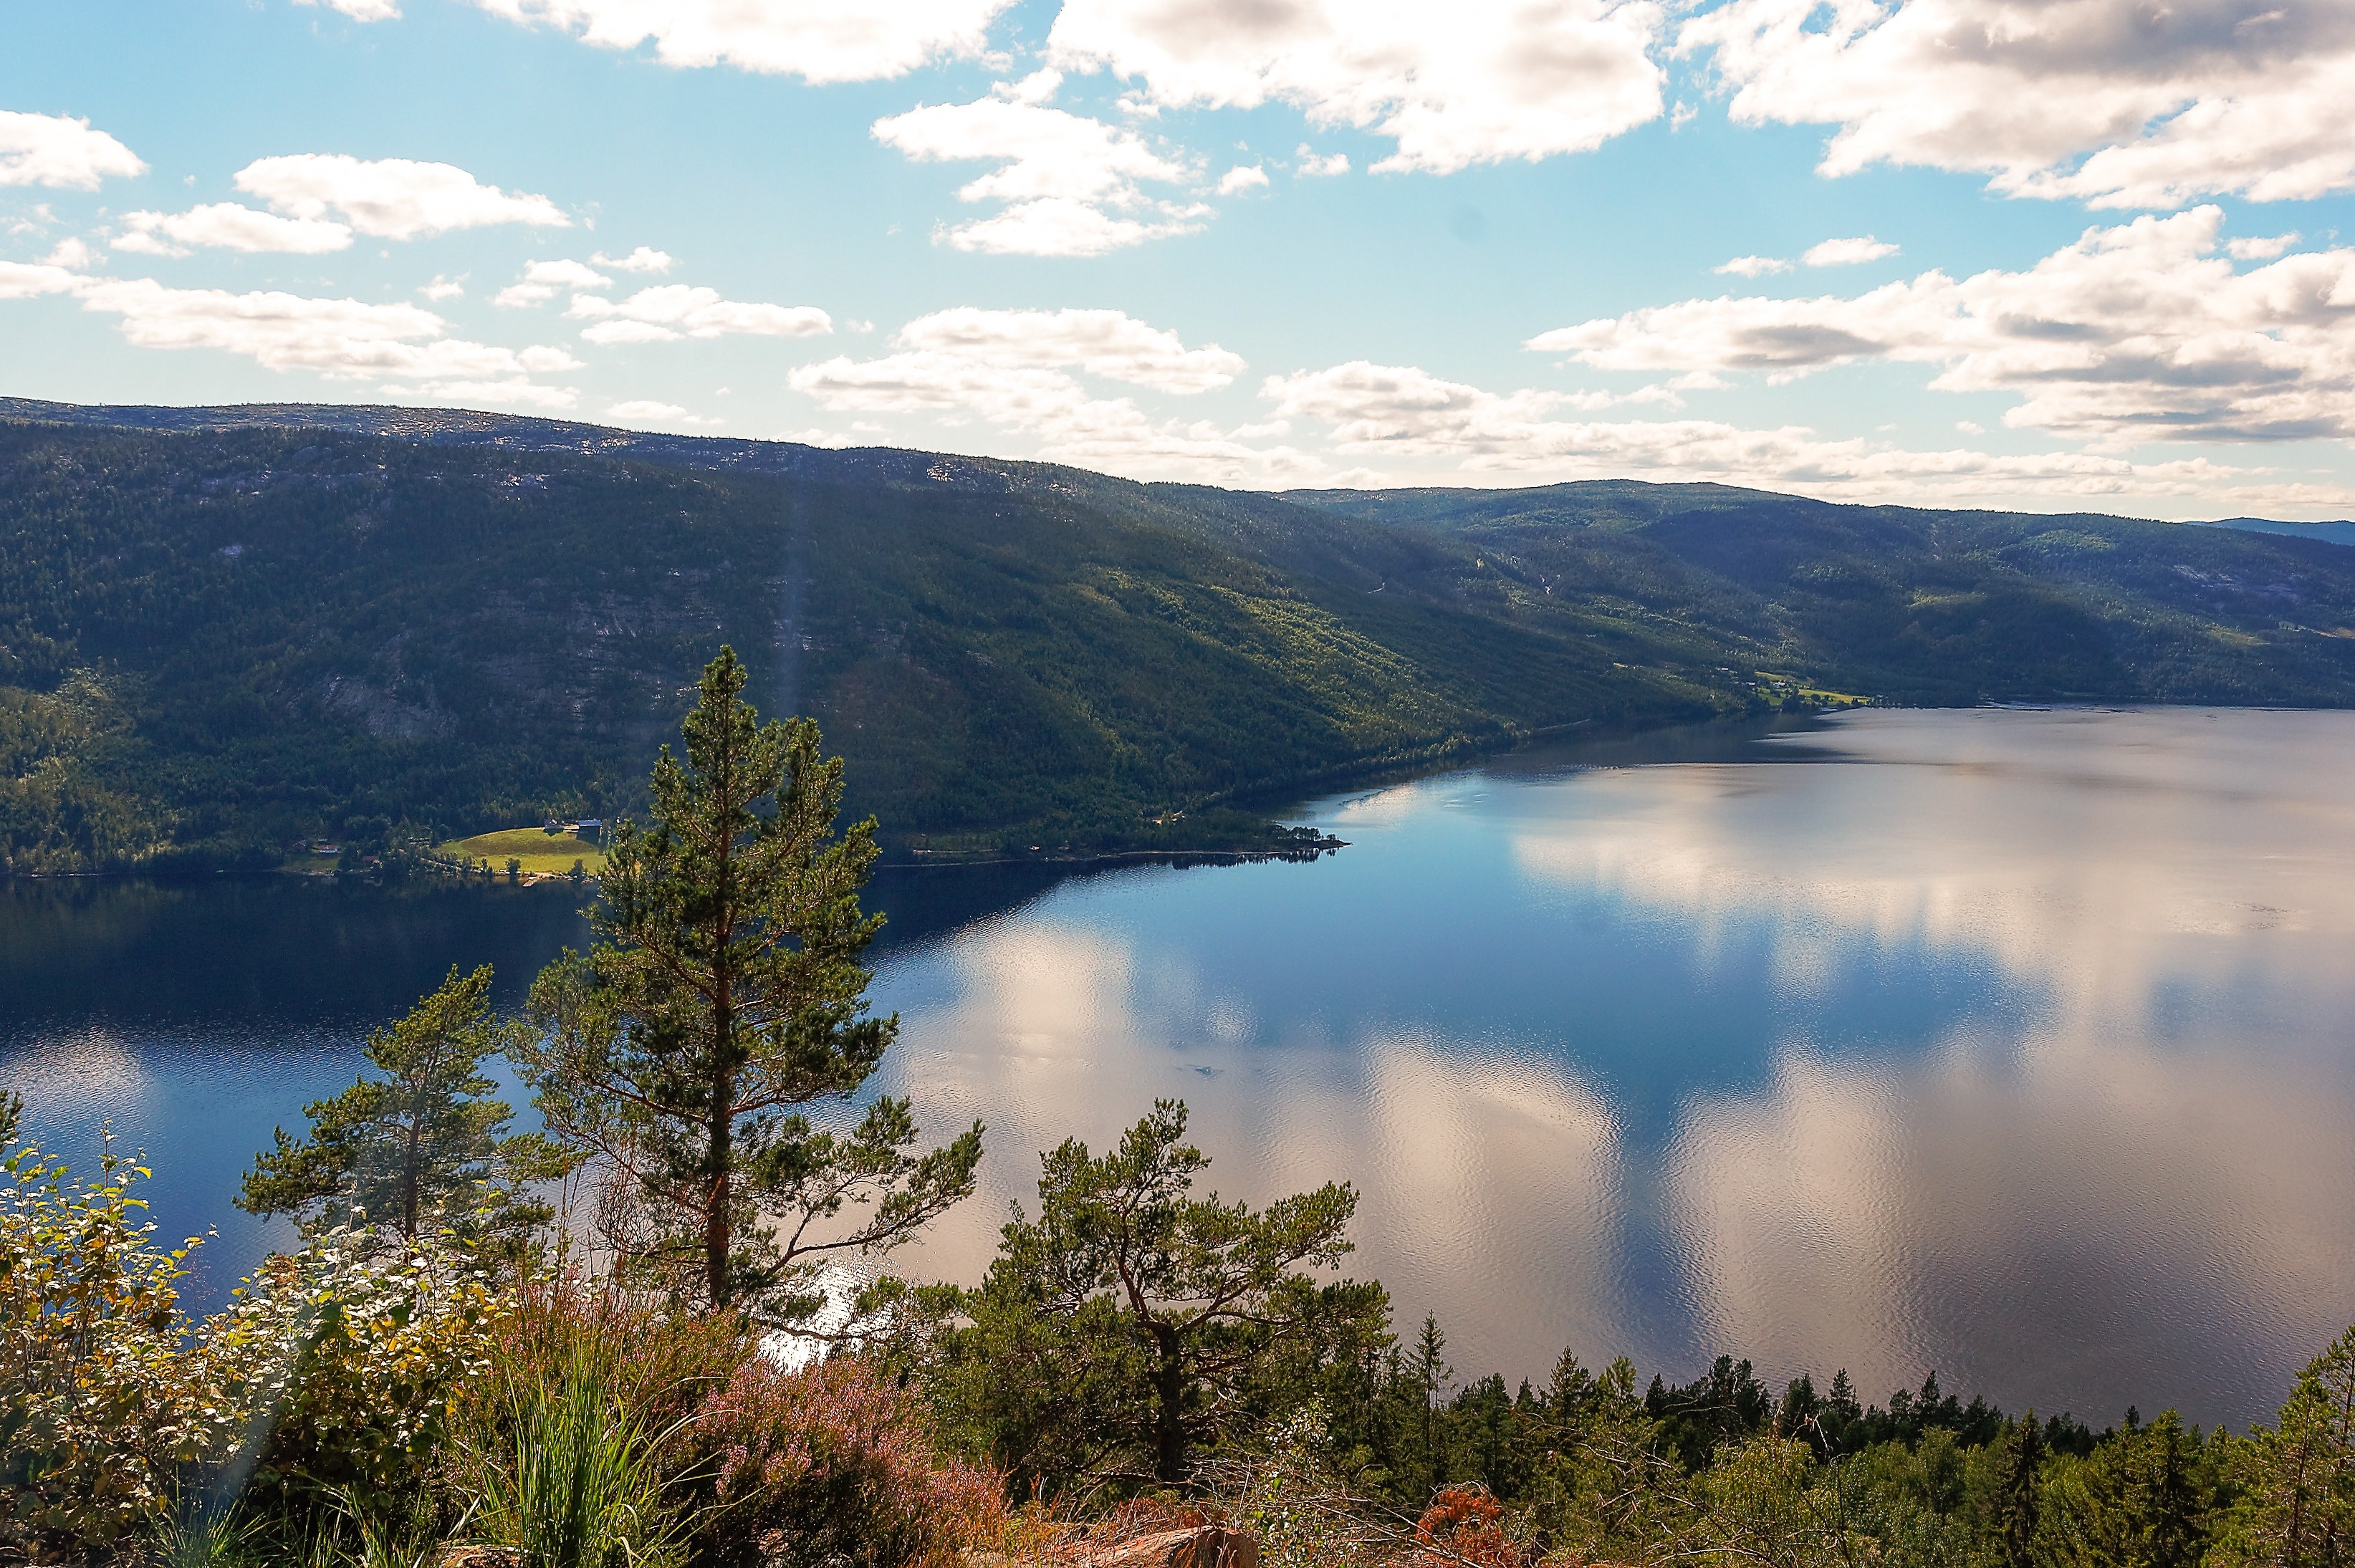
2135 332
444 289
226 225
61 151
543 280
671 311
361 10
71 253
1101 343
1853 252
1407 412
646 410
1059 227
28 280
1453 83
1059 171
818 40
2260 249
2116 102
1242 177
1017 369
391 198
1753 266
1316 167
341 339
644 258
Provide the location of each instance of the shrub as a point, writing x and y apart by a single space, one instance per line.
353 1353
100 1404
1464 1524
829 1463
332 1368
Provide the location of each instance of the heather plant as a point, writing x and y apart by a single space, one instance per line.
829 1463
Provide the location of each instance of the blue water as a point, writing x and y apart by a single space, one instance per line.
2017 1046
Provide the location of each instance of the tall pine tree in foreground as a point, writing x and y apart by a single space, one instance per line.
723 996
423 1146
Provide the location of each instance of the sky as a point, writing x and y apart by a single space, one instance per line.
2050 254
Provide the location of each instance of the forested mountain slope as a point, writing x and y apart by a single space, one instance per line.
212 641
222 629
1924 606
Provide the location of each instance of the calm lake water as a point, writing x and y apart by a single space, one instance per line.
2017 1046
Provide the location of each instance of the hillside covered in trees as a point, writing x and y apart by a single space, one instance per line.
223 630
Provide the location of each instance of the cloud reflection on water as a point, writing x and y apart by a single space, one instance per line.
2011 1044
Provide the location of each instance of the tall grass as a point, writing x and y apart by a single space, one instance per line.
578 1482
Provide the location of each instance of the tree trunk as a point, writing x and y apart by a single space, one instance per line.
409 1176
1170 1395
716 1241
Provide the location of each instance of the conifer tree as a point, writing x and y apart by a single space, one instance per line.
2015 1503
1130 1324
724 994
2298 1479
425 1137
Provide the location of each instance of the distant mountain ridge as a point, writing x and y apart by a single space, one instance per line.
224 628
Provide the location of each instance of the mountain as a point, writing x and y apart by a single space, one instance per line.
221 629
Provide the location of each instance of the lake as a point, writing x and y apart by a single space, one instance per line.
2018 1045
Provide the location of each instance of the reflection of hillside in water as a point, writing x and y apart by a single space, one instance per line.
2011 1046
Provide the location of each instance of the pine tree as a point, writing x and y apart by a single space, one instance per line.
426 1138
1130 1323
2298 1479
723 996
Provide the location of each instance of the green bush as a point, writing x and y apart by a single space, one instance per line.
101 1404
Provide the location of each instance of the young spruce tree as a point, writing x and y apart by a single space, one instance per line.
425 1139
723 995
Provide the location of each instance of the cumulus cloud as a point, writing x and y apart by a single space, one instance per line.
2135 332
1404 411
1102 342
1242 177
543 280
1059 171
2261 249
361 10
390 198
226 226
1055 226
444 289
2116 103
29 280
817 41
1853 252
343 340
1452 84
1021 369
1317 167
668 312
71 252
61 152
1753 266
644 258
647 410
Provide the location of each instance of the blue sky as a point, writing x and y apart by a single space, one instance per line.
2051 253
